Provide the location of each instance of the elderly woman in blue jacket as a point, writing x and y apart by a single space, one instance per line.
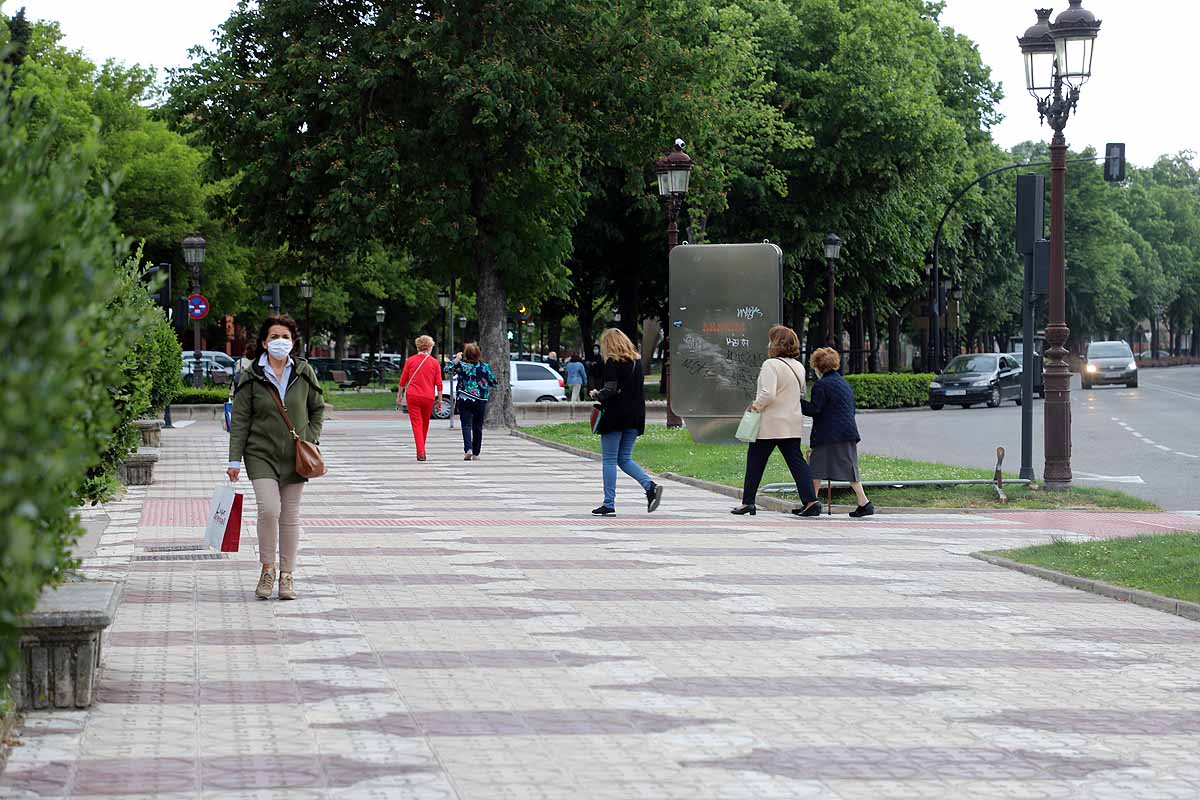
834 437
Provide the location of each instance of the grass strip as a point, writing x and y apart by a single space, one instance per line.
1166 564
672 450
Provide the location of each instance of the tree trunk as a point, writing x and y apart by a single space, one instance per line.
341 343
491 305
651 329
555 325
873 332
894 348
1153 338
627 304
1196 336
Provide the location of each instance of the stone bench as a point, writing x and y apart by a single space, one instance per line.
151 430
138 468
60 645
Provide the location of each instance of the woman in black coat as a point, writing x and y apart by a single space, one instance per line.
834 437
622 405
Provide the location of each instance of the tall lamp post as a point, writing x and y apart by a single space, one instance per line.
306 291
1058 62
193 256
674 172
443 301
380 316
833 251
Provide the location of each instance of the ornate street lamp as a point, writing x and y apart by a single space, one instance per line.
306 292
443 301
674 171
833 251
380 316
1058 62
194 248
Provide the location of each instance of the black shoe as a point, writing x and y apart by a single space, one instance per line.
743 510
603 511
653 498
864 511
813 509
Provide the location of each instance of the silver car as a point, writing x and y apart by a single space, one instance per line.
1109 362
532 382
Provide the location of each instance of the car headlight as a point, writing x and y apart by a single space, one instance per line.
1091 367
1132 365
981 383
935 385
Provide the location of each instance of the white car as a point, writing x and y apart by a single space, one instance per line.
209 367
532 382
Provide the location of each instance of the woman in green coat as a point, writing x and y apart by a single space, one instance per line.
260 439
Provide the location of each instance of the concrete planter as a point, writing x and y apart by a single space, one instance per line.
138 468
151 430
209 412
60 645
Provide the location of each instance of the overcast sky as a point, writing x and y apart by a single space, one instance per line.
1135 95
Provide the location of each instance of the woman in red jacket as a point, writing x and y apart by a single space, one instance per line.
421 388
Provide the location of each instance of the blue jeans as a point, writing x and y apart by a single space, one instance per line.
471 414
617 451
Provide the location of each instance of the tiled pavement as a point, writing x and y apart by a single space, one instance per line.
465 630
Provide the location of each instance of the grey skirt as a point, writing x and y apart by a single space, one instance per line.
835 462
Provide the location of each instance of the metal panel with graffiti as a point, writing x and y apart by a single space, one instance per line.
724 300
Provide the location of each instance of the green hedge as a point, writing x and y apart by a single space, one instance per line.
62 349
191 396
890 390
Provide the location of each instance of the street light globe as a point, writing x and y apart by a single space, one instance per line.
674 171
1037 45
306 290
1074 32
443 299
380 315
193 250
833 247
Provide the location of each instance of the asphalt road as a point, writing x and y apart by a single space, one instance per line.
1143 441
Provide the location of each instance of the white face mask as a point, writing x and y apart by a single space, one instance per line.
279 348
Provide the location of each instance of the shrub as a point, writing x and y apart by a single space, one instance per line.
61 351
164 360
890 390
205 396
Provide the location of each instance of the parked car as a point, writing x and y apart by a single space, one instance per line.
209 367
1039 383
968 380
533 382
1109 362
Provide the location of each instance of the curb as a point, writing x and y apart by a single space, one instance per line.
1158 602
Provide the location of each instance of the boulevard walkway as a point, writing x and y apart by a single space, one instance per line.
466 630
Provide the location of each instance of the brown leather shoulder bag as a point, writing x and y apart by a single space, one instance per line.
309 463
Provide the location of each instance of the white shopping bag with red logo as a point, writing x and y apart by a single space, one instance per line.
224 529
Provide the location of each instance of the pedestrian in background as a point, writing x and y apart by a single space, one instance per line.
552 361
259 437
835 436
595 368
622 400
475 381
576 377
780 392
421 389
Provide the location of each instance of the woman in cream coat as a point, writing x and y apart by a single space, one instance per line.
780 390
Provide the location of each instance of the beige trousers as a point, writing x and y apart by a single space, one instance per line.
278 521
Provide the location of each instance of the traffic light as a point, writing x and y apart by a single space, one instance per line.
271 297
158 283
1114 162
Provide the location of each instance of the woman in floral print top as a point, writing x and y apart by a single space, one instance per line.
475 381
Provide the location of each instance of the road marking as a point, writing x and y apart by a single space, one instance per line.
1186 455
1135 433
1157 525
1091 476
1179 392
1163 447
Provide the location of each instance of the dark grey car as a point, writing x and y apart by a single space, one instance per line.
977 378
1107 363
